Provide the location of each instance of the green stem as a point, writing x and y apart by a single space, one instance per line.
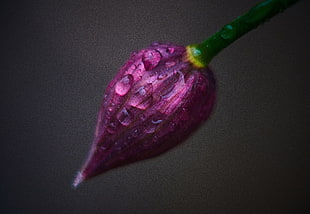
201 54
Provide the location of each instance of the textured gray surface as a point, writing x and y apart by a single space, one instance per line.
252 156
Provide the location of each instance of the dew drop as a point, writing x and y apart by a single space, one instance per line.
151 127
135 133
196 52
125 117
111 128
155 43
145 104
169 64
133 66
228 32
175 78
150 78
171 126
151 59
162 76
184 114
168 85
140 66
142 98
103 148
123 86
167 91
170 50
156 121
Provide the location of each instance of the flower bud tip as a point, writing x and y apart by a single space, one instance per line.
79 179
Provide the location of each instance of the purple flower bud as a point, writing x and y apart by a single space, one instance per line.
155 102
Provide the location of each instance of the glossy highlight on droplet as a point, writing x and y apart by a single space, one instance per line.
125 117
228 32
151 59
142 97
124 85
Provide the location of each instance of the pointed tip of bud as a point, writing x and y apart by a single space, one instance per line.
78 180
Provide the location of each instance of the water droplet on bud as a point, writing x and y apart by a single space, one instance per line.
171 126
136 132
112 127
124 117
150 78
133 67
151 127
169 64
228 32
166 92
168 85
162 76
103 148
170 50
156 121
151 59
142 98
155 44
184 114
123 86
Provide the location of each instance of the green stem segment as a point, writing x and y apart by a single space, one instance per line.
201 54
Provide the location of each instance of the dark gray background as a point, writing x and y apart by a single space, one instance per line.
57 57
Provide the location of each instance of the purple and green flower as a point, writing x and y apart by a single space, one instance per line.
161 95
